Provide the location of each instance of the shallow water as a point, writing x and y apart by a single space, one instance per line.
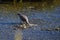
45 20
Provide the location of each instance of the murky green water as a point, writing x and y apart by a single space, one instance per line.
45 19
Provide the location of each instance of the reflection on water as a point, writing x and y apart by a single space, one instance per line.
18 35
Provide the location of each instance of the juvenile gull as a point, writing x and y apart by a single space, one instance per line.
25 22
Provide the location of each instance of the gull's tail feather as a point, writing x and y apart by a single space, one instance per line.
33 25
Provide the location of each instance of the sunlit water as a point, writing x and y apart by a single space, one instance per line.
45 19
